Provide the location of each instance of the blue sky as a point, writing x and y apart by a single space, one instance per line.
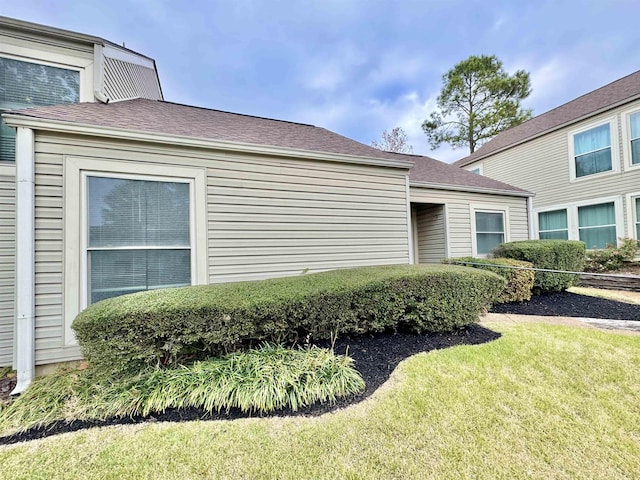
355 67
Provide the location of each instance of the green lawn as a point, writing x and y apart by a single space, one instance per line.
541 402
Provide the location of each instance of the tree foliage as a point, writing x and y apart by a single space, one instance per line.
393 141
478 100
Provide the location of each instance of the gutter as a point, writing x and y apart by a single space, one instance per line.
465 188
24 120
24 361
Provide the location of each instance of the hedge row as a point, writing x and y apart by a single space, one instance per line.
165 327
568 255
519 282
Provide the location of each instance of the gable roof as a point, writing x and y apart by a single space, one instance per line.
179 121
617 93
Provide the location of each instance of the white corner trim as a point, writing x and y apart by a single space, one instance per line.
23 120
25 259
531 227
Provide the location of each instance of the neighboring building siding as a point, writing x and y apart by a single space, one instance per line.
7 266
542 166
124 80
266 217
431 233
458 215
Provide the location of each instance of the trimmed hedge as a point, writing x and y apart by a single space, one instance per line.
519 282
567 255
165 327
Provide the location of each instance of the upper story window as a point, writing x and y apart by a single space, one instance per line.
592 151
24 85
634 137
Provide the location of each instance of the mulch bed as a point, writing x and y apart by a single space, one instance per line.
566 304
375 358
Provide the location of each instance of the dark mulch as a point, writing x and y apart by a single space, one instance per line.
7 384
566 304
375 358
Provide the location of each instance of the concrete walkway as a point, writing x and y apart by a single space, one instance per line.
621 326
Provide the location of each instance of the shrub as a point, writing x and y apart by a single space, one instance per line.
164 327
519 282
566 255
261 380
612 257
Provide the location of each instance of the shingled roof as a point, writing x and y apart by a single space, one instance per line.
605 98
166 118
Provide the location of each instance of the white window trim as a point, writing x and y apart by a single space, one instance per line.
615 157
83 66
76 170
572 215
487 208
631 214
476 166
626 139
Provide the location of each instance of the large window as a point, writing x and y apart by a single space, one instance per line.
553 225
489 231
24 85
597 225
138 236
592 151
634 134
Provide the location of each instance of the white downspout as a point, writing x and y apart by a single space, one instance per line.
530 217
409 222
25 259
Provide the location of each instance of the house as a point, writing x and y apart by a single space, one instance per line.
582 160
134 194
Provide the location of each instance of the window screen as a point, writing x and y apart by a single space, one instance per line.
592 150
139 236
489 231
597 225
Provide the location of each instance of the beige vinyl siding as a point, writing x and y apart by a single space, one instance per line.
542 166
458 207
431 233
265 216
7 267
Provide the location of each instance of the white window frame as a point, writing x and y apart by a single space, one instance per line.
631 214
572 215
487 208
76 172
626 139
473 168
615 158
537 216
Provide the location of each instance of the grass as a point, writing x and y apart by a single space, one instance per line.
264 379
617 295
541 402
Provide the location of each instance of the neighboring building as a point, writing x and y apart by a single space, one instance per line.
582 160
139 194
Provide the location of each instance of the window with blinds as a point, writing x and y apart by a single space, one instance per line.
25 85
489 231
138 236
592 151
